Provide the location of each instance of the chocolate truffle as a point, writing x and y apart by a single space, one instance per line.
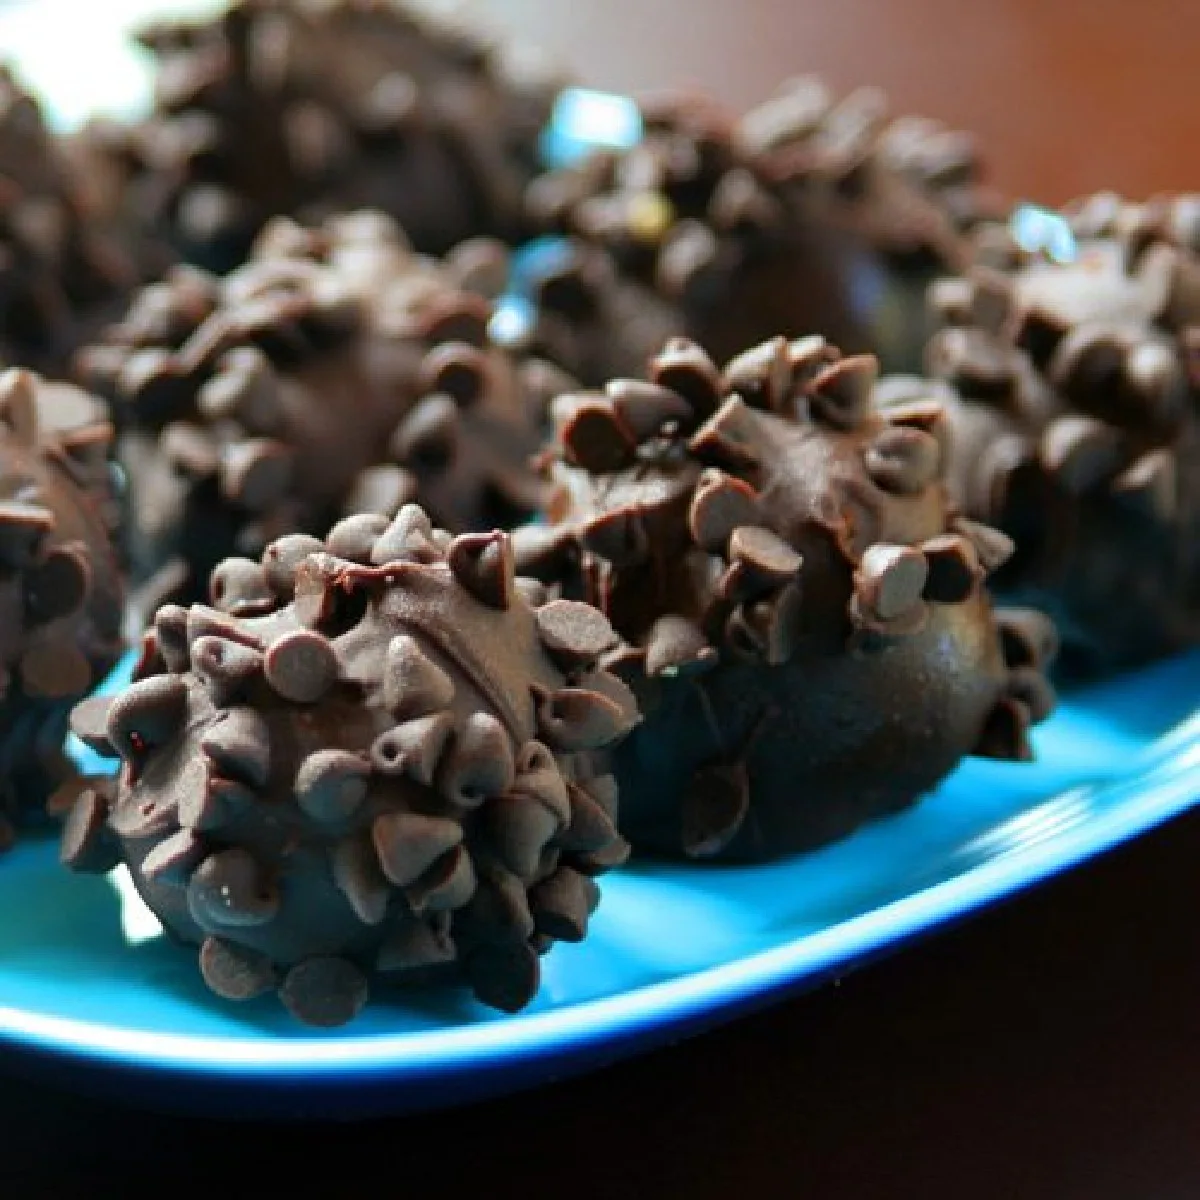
1074 412
327 105
61 593
59 276
334 373
809 636
372 757
807 214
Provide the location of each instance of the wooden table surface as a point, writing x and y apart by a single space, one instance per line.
1049 1048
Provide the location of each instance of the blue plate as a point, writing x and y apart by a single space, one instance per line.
88 984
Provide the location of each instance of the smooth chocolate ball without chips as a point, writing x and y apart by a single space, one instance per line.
1074 397
372 758
61 591
809 635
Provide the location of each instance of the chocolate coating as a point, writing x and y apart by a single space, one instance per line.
328 105
807 214
385 771
60 276
1074 409
335 373
61 592
809 634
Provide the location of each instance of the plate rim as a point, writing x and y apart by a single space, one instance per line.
1163 783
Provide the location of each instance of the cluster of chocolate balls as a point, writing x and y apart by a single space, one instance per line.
476 521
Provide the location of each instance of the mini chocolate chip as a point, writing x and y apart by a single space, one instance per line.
408 844
904 461
505 976
574 634
480 762
480 265
562 904
235 972
919 412
518 830
18 404
1028 638
889 583
618 536
409 538
59 585
591 828
86 844
202 621
230 890
197 804
976 363
301 666
1080 452
483 564
324 992
1031 687
448 885
413 749
239 587
283 556
413 684
538 777
457 370
993 547
728 438
719 505
360 879
89 723
647 409
841 394
354 537
592 434
331 784
766 558
1005 734
762 375
414 945
428 436
22 528
683 367
572 719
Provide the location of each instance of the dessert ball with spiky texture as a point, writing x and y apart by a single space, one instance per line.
335 372
373 757
804 215
61 593
1076 425
325 105
808 631
59 278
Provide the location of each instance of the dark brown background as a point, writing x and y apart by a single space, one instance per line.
1066 96
1048 1049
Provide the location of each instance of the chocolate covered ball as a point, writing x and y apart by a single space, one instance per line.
1072 369
336 372
808 214
326 105
61 593
809 635
60 277
372 758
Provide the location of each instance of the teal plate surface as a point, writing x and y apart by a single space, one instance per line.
87 983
